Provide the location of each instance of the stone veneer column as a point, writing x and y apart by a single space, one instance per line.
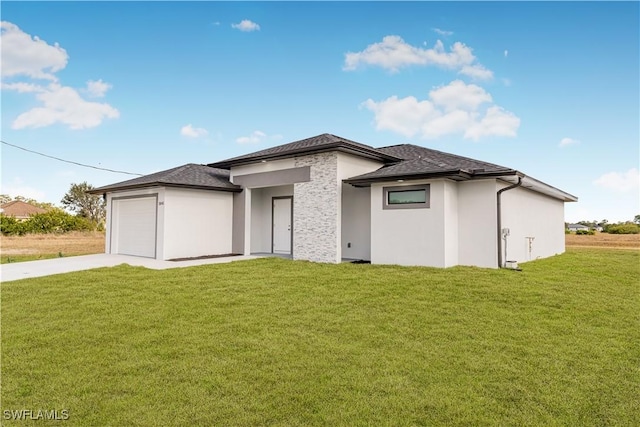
315 210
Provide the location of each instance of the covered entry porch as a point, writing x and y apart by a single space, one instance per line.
267 221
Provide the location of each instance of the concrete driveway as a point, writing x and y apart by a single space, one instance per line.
47 267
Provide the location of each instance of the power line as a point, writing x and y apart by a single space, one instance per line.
69 161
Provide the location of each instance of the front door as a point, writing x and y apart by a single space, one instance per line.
282 210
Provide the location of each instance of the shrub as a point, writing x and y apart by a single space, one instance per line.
626 228
53 221
9 226
582 232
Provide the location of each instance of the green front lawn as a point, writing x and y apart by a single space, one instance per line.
277 342
6 259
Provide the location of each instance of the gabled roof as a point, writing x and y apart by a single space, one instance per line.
316 144
418 162
190 175
20 209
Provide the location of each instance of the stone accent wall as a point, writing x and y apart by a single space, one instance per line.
315 210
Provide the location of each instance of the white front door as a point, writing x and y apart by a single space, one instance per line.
282 225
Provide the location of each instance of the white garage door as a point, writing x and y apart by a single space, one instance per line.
134 226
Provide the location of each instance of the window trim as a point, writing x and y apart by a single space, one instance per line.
426 205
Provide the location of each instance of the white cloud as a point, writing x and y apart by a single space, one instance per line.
256 137
477 72
29 58
620 182
246 25
393 53
506 53
23 87
63 104
444 33
496 122
404 116
457 108
33 57
192 132
458 94
568 141
97 88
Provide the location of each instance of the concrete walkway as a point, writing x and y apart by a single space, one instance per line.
47 267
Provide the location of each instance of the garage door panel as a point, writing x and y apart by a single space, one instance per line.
136 226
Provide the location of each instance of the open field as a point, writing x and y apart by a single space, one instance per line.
281 342
604 240
41 246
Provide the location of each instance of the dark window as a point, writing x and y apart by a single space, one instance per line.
406 197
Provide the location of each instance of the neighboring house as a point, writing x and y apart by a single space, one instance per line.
20 210
328 199
576 227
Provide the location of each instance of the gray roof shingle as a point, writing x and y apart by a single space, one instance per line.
190 175
421 161
324 142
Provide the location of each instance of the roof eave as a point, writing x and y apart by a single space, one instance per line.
227 164
103 190
456 174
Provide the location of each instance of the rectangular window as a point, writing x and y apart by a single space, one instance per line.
406 197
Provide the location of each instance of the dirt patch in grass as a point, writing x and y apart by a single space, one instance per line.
75 243
204 257
604 240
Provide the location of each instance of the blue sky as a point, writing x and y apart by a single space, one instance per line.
550 89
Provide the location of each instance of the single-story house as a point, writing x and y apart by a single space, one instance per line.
329 199
20 210
576 227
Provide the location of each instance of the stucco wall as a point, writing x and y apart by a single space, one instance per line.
237 245
530 214
315 210
355 225
268 166
356 222
477 235
408 236
450 212
197 222
160 191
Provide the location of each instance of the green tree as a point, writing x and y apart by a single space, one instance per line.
84 204
636 219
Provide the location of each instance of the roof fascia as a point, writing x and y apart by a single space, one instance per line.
456 174
337 146
103 190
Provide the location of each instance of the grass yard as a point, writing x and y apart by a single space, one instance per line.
43 246
277 342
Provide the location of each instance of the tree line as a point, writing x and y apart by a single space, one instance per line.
80 211
623 227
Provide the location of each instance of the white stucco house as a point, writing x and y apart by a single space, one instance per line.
576 227
329 199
